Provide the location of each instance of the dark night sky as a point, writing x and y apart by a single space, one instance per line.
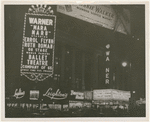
14 26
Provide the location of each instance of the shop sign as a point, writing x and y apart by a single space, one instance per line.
75 104
37 59
55 95
101 15
88 95
78 95
34 94
19 93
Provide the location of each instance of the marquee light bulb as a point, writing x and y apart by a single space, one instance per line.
124 64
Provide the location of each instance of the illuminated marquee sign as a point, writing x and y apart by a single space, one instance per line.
121 95
19 93
107 70
111 94
37 60
55 95
34 94
78 95
102 94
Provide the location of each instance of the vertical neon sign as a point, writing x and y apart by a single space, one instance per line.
107 69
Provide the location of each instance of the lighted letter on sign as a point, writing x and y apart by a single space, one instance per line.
19 93
52 95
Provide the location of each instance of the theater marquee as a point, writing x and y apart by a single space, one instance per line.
37 59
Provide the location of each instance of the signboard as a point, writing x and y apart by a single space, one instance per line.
87 104
111 94
55 95
34 94
88 95
78 95
37 59
75 104
104 94
101 15
120 95
19 93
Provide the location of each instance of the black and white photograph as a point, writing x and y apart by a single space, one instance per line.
75 60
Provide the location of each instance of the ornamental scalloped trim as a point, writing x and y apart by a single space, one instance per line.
41 9
36 77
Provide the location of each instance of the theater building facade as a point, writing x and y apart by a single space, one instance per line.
83 53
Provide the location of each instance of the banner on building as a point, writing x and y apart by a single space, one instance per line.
101 15
37 58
